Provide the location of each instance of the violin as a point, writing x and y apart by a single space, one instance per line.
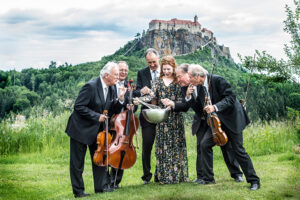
219 136
122 151
102 155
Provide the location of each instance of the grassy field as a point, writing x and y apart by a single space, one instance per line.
41 170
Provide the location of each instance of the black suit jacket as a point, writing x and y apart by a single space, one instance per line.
197 107
83 124
230 111
143 79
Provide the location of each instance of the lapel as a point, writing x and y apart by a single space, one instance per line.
201 95
148 77
210 87
126 83
110 97
100 92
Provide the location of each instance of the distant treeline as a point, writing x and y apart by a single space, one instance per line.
54 89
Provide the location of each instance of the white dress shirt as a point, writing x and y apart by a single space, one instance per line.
104 88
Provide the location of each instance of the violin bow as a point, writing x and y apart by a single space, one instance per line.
106 136
132 85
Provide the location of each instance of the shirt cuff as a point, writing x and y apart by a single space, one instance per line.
216 108
188 99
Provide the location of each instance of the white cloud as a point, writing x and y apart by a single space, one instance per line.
32 33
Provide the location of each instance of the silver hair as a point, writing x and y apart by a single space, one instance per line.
122 62
196 69
107 68
183 67
151 50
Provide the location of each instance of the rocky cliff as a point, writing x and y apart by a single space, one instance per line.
181 41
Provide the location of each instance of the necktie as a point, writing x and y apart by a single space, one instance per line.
105 93
154 76
119 85
205 90
195 92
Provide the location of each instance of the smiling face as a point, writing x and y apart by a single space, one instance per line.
182 78
197 79
123 71
112 77
168 71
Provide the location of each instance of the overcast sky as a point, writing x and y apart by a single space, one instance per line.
35 32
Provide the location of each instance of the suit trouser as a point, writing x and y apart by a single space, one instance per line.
148 134
227 151
77 157
236 140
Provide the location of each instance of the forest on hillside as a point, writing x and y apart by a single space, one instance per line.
34 91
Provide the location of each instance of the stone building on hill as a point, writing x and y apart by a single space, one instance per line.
177 37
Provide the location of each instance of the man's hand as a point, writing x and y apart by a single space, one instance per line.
168 102
189 91
146 90
210 109
102 118
122 92
130 107
135 101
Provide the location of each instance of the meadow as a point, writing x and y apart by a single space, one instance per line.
34 164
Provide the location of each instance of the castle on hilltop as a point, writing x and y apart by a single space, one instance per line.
176 24
177 37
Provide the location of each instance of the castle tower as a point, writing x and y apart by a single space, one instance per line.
195 19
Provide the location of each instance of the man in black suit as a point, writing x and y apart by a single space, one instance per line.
145 77
117 174
233 118
87 121
199 127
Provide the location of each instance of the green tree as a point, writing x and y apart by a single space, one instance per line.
292 27
281 70
21 104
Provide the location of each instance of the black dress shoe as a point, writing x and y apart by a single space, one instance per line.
255 186
108 189
238 178
81 195
146 182
116 186
196 180
204 182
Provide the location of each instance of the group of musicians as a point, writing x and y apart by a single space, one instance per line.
87 120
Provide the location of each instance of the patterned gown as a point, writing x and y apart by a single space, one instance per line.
170 146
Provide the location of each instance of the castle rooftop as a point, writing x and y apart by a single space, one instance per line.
176 21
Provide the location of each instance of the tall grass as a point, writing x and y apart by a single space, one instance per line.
37 134
46 133
272 137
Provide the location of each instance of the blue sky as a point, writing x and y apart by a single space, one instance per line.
35 32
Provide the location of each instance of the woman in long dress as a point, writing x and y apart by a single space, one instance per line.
170 146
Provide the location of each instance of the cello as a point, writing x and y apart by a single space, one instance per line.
122 151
